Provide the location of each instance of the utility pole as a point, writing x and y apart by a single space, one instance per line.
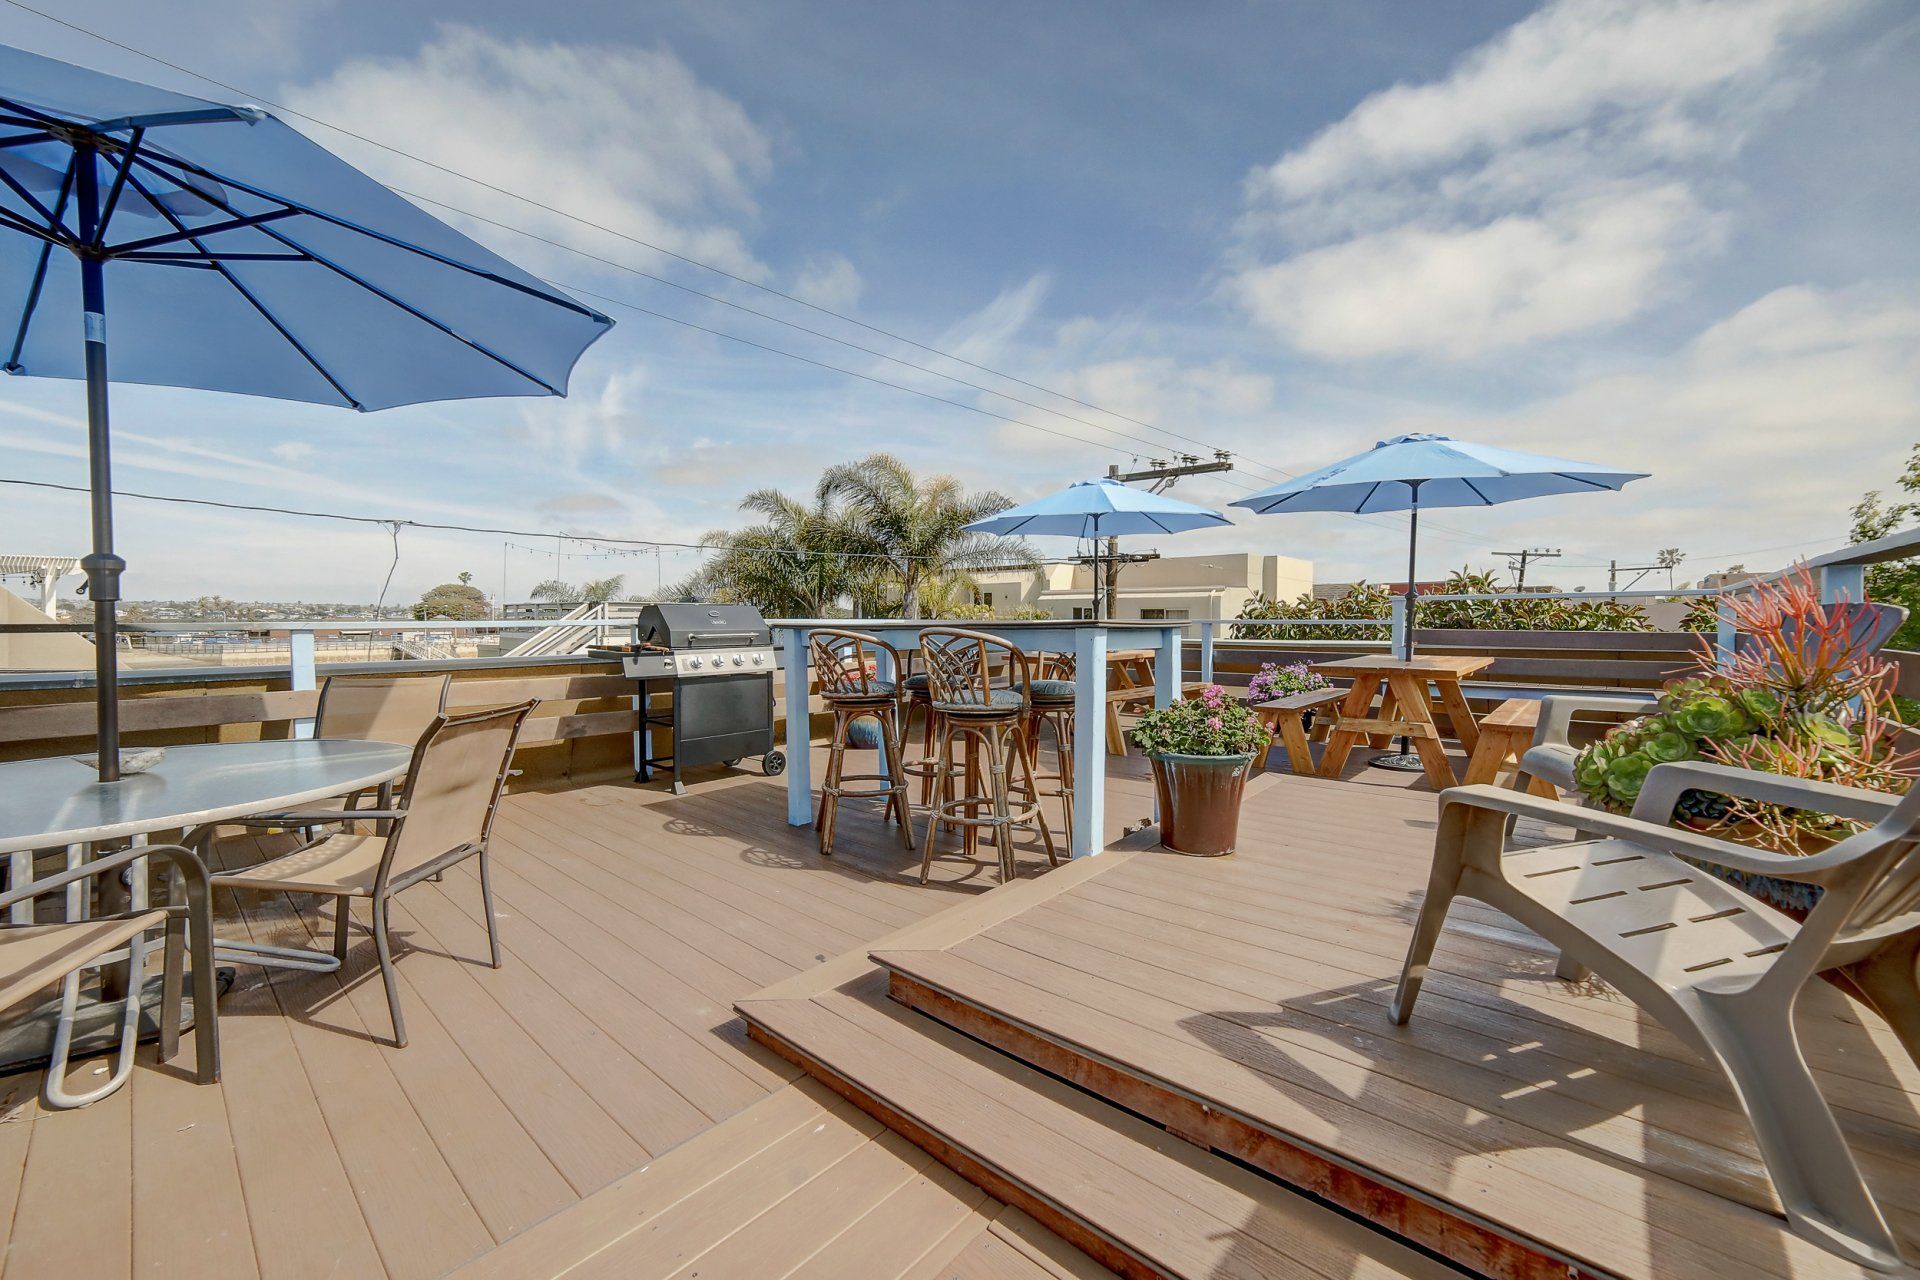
1161 473
1639 571
1517 562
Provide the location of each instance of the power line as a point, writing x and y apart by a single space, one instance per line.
1460 534
612 231
396 524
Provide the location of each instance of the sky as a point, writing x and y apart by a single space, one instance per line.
1670 235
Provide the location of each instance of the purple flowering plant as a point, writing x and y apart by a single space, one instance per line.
1275 681
1211 724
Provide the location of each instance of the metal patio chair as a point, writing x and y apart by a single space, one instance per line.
369 709
1719 968
35 956
458 772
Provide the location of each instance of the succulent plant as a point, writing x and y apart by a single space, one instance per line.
1626 775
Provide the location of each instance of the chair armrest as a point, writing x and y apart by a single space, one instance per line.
333 815
1665 784
1814 868
184 861
1557 713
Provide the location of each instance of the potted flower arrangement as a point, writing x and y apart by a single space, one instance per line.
1802 699
1275 681
1201 750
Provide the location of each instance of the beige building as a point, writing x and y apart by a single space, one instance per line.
1172 588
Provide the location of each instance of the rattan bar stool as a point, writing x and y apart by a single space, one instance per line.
915 697
979 713
845 663
1051 695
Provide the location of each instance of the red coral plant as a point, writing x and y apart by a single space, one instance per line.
1837 720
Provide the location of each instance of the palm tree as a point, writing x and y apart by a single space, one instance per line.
916 528
793 564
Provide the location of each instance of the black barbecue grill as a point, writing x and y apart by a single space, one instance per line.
719 661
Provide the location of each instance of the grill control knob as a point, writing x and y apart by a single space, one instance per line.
739 661
758 660
693 662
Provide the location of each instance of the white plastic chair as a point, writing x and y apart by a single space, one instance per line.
1718 967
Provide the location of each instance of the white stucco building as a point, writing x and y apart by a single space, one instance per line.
1177 588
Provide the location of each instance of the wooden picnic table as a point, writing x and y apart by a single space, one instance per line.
1405 711
1130 681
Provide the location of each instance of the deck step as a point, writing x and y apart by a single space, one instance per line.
1127 1192
801 1185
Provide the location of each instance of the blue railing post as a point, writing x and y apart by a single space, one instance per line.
799 735
1399 627
1843 582
302 673
1723 631
1206 650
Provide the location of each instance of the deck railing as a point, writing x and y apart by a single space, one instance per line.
1839 574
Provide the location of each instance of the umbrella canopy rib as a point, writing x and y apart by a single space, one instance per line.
39 278
385 296
253 300
558 299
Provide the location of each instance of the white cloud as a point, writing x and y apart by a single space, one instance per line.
294 453
830 281
587 422
625 137
1764 429
1466 290
1555 181
1559 68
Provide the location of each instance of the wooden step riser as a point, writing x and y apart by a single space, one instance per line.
989 1179
1442 1229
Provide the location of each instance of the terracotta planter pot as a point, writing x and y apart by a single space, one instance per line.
1199 802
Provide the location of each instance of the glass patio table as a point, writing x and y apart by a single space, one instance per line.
1087 641
57 801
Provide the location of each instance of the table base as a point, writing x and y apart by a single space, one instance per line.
26 1043
1399 762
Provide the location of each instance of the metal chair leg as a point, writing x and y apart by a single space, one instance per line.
53 1089
384 946
486 901
341 917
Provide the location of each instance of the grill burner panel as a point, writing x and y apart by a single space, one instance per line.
719 661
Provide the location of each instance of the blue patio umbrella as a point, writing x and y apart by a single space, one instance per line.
1414 472
1096 509
239 256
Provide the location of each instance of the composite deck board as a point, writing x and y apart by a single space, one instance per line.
1259 984
607 1040
181 1137
800 1186
1489 986
1154 1197
422 1222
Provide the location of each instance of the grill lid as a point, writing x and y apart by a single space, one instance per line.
704 626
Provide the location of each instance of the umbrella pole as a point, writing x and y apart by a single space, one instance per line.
102 566
1405 760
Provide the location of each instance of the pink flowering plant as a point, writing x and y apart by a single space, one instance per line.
1275 681
1212 724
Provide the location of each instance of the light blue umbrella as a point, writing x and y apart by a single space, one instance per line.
1414 472
1103 508
238 256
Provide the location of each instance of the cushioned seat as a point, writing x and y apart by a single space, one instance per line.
1052 690
915 684
971 703
876 691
